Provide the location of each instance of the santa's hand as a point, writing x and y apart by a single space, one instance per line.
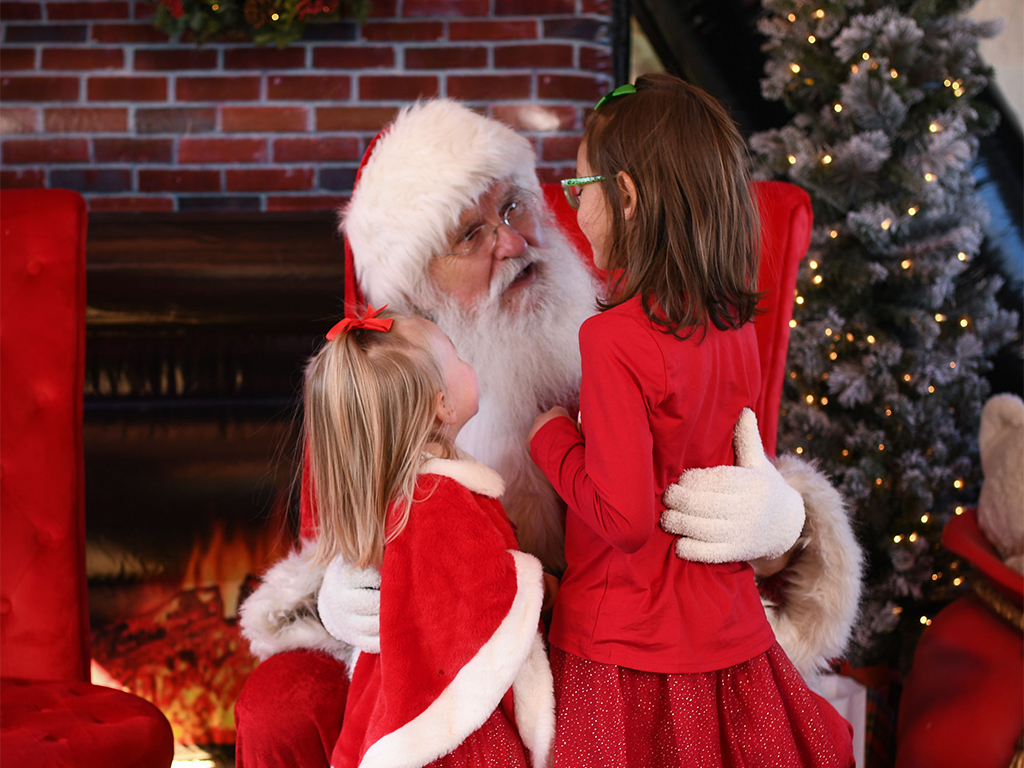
349 605
730 514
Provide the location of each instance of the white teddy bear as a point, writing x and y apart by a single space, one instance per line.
1001 504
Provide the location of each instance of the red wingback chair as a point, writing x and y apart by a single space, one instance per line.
786 220
50 715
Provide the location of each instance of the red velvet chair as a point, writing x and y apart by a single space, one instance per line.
50 715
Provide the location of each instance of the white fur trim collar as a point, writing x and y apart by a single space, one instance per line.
467 471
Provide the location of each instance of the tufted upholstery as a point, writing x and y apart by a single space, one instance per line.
44 616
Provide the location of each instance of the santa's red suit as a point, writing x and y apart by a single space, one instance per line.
417 179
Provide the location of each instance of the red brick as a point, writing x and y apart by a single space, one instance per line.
30 178
215 150
560 147
128 33
176 120
21 11
263 119
270 179
19 120
120 203
178 180
445 57
353 57
144 9
39 89
603 7
586 29
397 87
492 30
572 87
534 7
384 9
537 117
83 58
174 59
399 31
489 87
132 150
533 56
354 118
22 151
318 150
264 58
85 120
447 8
308 87
46 33
127 88
217 89
596 60
17 58
78 11
305 202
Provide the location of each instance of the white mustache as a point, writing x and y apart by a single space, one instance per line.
509 270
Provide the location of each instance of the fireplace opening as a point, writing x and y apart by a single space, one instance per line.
197 330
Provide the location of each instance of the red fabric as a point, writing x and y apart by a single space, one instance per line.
963 537
289 712
759 713
447 583
786 223
963 702
625 597
44 633
45 628
78 725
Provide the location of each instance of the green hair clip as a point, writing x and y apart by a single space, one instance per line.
622 90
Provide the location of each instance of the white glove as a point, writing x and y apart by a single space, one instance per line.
349 605
731 514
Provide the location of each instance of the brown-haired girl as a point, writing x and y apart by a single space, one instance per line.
460 606
659 661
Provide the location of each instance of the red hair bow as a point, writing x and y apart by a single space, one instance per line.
370 322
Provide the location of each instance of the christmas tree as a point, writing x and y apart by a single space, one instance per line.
894 323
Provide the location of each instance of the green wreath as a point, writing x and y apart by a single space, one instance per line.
261 21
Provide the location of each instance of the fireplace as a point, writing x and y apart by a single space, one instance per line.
197 331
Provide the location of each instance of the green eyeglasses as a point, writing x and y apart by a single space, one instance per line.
573 187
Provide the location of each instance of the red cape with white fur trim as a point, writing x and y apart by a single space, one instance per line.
460 607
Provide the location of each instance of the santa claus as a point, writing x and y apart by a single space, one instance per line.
448 221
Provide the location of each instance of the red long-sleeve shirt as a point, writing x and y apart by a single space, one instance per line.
651 406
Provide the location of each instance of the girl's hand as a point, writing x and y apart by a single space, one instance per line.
544 418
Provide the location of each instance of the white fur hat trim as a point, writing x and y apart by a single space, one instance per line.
431 163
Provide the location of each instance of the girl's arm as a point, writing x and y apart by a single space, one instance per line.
609 480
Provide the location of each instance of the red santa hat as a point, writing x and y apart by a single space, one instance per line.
417 177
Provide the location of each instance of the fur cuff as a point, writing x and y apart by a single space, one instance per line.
281 614
815 616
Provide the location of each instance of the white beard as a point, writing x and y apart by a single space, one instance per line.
525 350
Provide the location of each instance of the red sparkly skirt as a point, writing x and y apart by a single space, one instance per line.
495 744
758 713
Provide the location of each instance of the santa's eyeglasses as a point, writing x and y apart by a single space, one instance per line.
516 213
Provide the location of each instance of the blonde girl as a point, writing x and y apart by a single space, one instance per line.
459 604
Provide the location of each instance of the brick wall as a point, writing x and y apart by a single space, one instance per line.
93 98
